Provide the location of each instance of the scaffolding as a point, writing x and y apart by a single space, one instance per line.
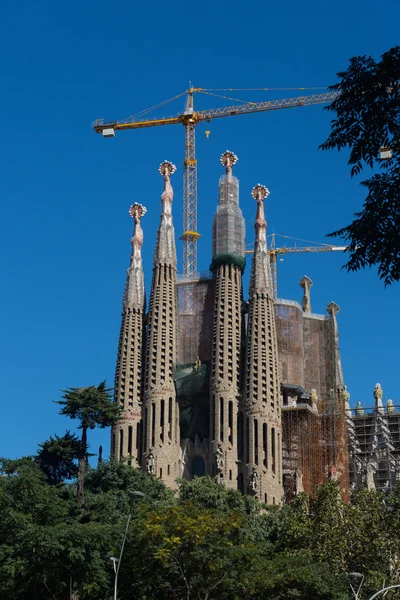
315 434
194 335
375 446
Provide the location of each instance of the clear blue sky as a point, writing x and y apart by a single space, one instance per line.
65 191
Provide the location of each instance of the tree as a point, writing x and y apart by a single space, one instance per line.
199 551
57 456
92 407
367 119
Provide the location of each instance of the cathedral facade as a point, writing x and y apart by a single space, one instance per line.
214 383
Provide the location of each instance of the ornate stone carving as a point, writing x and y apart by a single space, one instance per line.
219 456
359 410
254 481
151 463
134 295
306 284
390 409
165 252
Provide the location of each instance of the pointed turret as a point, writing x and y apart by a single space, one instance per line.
260 415
126 435
228 263
161 443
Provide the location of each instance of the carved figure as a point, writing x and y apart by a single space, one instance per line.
389 407
254 481
378 392
359 410
370 477
219 455
298 478
345 394
150 463
314 396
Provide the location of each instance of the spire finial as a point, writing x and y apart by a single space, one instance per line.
260 193
228 159
166 169
137 211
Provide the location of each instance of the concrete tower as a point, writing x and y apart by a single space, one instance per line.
126 435
260 415
228 263
161 435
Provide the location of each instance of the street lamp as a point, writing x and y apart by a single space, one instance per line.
117 561
356 576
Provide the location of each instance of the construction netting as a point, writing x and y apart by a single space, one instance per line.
289 331
195 318
228 228
192 390
316 438
302 450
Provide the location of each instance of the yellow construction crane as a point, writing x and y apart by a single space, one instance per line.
274 252
189 119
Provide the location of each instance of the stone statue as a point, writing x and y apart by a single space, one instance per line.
390 408
345 394
359 410
151 463
378 392
219 455
298 478
254 481
378 395
370 477
314 396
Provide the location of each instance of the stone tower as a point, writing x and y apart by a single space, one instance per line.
126 435
161 436
260 415
228 263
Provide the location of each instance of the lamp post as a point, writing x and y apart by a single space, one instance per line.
117 561
353 589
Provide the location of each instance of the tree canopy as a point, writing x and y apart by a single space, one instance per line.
367 118
203 543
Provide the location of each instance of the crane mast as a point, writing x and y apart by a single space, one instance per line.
190 235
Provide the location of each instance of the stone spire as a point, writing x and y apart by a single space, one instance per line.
134 296
228 229
228 262
260 279
126 435
165 251
161 438
306 284
260 411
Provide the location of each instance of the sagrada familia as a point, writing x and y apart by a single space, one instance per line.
249 392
